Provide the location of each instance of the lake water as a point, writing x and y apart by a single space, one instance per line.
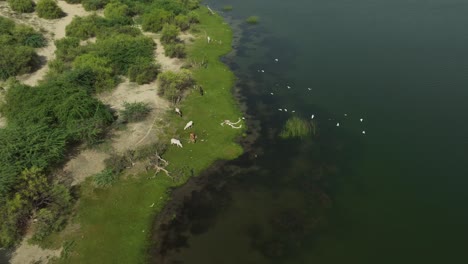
396 194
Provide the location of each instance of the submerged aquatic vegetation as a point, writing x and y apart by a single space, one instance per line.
253 20
297 127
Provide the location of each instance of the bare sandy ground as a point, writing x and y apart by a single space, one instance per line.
26 253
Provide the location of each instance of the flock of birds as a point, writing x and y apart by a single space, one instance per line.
312 116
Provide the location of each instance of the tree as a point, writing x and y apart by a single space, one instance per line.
22 6
49 9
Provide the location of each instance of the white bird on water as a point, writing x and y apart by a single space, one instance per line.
272 93
312 116
289 87
310 89
364 132
263 71
285 110
280 109
276 60
361 119
293 111
337 124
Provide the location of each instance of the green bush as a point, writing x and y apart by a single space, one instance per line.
16 60
22 6
68 49
134 112
85 27
123 51
173 84
118 13
27 36
143 72
105 178
182 21
93 5
73 1
175 50
49 9
155 20
193 17
98 69
169 34
13 219
6 25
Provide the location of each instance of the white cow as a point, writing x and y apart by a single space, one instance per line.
176 142
188 125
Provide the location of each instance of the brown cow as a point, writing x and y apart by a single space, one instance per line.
193 137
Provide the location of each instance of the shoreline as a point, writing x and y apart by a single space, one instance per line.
123 213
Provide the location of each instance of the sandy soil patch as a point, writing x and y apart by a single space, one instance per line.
88 162
139 133
27 253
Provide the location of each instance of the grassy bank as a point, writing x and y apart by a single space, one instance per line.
114 224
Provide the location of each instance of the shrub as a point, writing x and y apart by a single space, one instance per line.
173 84
97 69
252 20
105 178
16 60
143 72
84 27
118 13
155 20
6 25
93 5
182 21
169 34
68 49
22 6
27 36
175 50
193 17
49 9
296 127
13 219
73 1
123 51
134 112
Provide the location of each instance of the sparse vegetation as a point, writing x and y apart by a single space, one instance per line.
252 20
105 178
175 50
144 71
49 9
227 8
156 19
134 112
296 127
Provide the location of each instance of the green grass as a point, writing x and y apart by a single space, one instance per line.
296 127
253 20
115 222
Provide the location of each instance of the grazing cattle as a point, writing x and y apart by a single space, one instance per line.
176 142
188 125
177 110
193 137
